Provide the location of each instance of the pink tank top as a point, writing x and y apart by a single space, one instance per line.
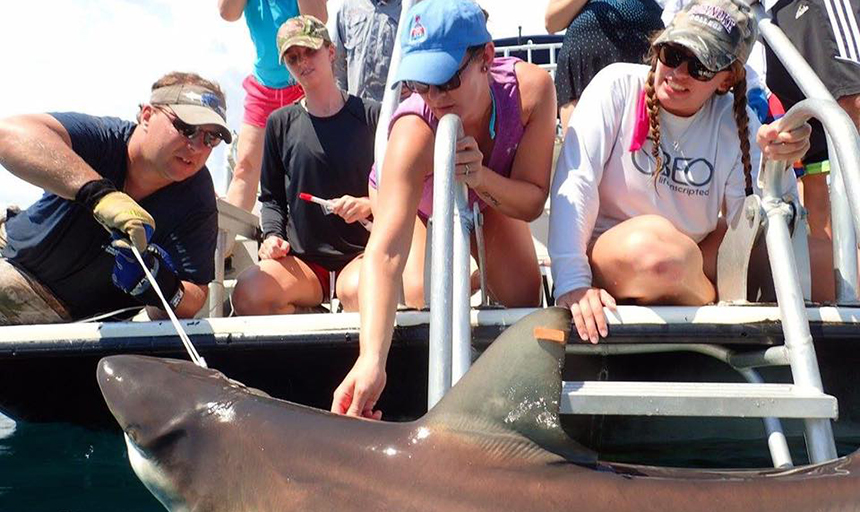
509 129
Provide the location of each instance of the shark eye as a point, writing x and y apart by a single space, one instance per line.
165 441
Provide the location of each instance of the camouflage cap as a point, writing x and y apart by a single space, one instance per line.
304 30
194 105
718 32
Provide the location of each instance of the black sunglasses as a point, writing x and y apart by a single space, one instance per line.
450 85
190 132
673 56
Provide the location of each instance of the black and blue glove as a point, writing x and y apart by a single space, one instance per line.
128 275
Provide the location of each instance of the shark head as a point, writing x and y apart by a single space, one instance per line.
198 440
155 401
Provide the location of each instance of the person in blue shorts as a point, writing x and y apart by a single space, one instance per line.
113 186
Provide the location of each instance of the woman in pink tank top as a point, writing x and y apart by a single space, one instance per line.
505 105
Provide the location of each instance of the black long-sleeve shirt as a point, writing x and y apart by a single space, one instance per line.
327 157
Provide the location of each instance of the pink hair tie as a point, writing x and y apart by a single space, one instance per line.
640 129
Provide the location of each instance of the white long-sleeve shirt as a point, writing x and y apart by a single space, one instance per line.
599 182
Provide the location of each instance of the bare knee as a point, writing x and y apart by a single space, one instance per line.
656 260
347 291
413 290
255 293
657 266
521 290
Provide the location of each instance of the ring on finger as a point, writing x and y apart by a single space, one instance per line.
468 170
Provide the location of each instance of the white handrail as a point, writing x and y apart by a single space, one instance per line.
795 324
450 325
391 96
842 143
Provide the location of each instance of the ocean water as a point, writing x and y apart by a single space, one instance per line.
56 467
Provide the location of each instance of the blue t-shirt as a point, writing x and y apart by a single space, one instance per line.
264 18
62 245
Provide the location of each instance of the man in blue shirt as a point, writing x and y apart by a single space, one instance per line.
113 187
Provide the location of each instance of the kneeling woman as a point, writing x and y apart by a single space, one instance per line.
322 147
508 113
650 158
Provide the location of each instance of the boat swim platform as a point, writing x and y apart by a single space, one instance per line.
714 324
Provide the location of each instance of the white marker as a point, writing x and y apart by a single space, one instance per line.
328 207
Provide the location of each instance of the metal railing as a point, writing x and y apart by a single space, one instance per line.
842 144
529 48
450 325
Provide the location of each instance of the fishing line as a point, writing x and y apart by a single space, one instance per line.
195 357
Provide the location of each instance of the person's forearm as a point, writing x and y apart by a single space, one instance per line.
559 13
378 296
231 10
33 150
515 198
316 8
192 301
242 191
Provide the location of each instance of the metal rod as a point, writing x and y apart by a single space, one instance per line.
391 96
776 442
216 287
186 341
461 339
795 324
478 225
441 292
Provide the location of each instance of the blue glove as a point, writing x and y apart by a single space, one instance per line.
128 275
757 100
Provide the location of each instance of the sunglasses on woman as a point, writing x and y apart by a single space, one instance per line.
673 56
450 85
190 132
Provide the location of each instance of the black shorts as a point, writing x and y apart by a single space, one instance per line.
826 34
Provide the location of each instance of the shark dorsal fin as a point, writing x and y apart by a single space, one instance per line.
516 385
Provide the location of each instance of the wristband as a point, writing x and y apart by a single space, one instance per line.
90 193
177 297
166 278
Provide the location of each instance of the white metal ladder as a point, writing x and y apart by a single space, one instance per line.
805 398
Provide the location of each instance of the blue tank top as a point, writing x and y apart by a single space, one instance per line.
264 18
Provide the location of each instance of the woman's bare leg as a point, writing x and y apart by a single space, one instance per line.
275 287
648 260
513 276
242 191
815 197
348 283
564 113
413 272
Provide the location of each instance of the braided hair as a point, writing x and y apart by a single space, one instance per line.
739 91
652 104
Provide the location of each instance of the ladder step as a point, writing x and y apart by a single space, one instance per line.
736 400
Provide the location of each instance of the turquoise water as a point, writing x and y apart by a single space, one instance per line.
53 467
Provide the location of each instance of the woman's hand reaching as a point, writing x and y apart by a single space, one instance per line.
586 306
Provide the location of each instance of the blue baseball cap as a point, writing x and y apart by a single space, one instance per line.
435 38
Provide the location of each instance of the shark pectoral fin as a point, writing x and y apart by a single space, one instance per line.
516 385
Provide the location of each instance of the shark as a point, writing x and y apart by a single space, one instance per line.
203 442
